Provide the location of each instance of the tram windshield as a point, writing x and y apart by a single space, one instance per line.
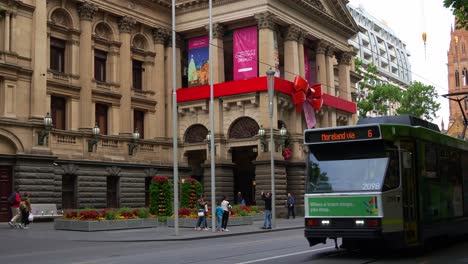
349 168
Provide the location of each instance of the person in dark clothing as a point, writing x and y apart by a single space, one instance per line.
290 204
25 208
267 213
239 198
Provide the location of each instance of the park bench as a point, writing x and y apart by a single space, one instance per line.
44 211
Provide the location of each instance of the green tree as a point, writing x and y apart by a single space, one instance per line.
419 100
460 10
374 96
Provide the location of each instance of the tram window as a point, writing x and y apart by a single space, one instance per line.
430 160
407 157
392 177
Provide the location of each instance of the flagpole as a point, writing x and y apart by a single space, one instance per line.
212 148
174 125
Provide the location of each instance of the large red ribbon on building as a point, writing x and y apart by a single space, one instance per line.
303 92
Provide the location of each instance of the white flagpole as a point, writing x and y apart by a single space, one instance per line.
174 125
212 149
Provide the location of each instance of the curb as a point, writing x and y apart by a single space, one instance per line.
197 237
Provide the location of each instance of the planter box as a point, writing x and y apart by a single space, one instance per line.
258 217
191 222
76 225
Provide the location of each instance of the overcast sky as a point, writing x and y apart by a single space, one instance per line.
408 20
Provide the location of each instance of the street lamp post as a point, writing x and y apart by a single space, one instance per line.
271 83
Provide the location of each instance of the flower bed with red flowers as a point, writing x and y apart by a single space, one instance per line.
108 214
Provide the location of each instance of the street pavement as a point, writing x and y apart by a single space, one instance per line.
161 233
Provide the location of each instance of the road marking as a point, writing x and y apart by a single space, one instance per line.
286 255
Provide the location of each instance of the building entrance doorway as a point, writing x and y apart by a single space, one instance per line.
244 172
5 191
195 160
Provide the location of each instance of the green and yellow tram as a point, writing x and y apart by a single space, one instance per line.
395 180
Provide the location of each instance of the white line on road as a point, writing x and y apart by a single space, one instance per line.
286 255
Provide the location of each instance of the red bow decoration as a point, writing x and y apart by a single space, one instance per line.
302 92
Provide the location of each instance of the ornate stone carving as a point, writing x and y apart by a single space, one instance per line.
139 42
160 35
302 36
87 11
126 24
70 169
179 40
321 47
345 58
60 17
265 20
113 171
244 127
293 33
331 51
318 4
102 31
196 134
218 30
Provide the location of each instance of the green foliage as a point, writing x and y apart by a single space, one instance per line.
191 189
111 215
162 219
376 97
460 11
142 213
161 196
255 209
419 100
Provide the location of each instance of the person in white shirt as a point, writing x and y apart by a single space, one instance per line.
226 206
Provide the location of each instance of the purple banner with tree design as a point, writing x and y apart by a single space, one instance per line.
245 49
198 64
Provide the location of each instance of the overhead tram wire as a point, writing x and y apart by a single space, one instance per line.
327 86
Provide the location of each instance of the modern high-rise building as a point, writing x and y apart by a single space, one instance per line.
376 43
86 95
457 65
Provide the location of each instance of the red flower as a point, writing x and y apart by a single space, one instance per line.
191 180
287 153
160 179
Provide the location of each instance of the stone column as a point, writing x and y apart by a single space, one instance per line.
126 25
266 53
300 46
86 11
73 108
39 61
169 80
15 34
159 37
330 71
218 52
321 64
6 41
291 53
224 180
344 60
263 182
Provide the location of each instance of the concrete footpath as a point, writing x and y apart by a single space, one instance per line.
42 230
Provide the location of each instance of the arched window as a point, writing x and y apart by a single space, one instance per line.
457 79
464 76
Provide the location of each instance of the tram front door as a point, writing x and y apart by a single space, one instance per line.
410 194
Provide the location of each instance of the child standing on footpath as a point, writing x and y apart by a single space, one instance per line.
219 216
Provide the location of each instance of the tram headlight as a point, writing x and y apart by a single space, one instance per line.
359 223
325 222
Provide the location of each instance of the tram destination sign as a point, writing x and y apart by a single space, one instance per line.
355 133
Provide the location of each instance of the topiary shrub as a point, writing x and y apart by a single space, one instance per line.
161 196
191 189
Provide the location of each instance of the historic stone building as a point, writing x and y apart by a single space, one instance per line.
457 57
107 64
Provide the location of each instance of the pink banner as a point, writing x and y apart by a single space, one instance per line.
245 52
306 65
199 42
309 114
